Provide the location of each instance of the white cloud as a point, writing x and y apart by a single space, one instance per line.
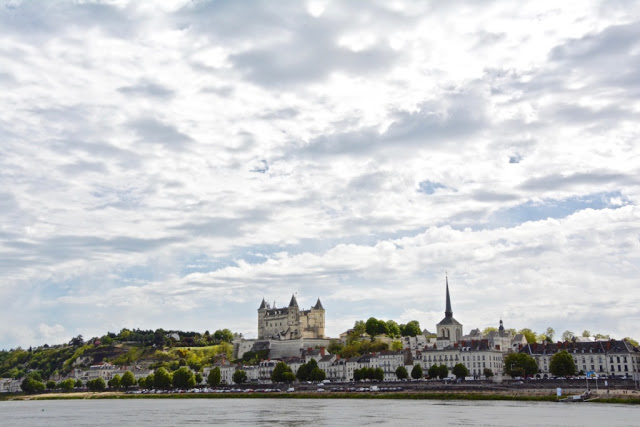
174 164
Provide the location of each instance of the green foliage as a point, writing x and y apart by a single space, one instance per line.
239 377
393 329
487 372
460 370
411 329
128 379
529 335
358 348
335 347
396 345
50 385
182 378
214 377
631 341
486 331
162 379
375 327
97 384
520 361
436 371
567 336
277 375
401 373
304 371
78 383
224 335
562 364
253 358
368 374
288 377
199 378
114 382
67 385
416 372
317 375
32 385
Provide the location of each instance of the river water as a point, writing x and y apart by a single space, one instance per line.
313 412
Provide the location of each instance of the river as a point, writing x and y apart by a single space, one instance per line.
313 412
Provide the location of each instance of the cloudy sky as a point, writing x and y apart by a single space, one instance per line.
169 164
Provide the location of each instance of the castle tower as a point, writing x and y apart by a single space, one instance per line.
449 330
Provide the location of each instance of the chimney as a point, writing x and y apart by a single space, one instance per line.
322 351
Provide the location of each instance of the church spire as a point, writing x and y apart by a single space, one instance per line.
448 312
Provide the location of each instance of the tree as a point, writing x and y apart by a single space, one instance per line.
487 372
182 378
199 378
486 331
377 374
32 385
393 328
396 345
97 384
515 362
375 327
304 371
288 377
51 385
162 379
214 377
127 380
460 371
77 341
433 371
67 385
550 334
114 382
631 341
567 335
443 371
401 373
223 335
239 376
142 383
529 335
277 376
562 364
586 334
416 372
150 381
317 375
411 329
601 337
79 384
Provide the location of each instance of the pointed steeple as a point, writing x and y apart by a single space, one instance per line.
293 302
318 305
448 312
263 304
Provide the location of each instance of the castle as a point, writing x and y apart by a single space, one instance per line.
290 323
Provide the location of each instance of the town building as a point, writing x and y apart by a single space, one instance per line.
289 323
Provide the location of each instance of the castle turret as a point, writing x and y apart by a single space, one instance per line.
293 302
318 305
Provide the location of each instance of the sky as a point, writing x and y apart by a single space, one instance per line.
168 164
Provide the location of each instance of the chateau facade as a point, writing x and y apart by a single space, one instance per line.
290 323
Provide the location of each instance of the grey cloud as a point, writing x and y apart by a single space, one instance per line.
429 126
557 181
148 89
282 114
369 183
152 131
490 196
39 20
302 48
81 167
224 226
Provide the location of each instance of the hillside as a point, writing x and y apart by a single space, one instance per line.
151 349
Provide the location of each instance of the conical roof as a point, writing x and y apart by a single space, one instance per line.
294 302
318 305
263 304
